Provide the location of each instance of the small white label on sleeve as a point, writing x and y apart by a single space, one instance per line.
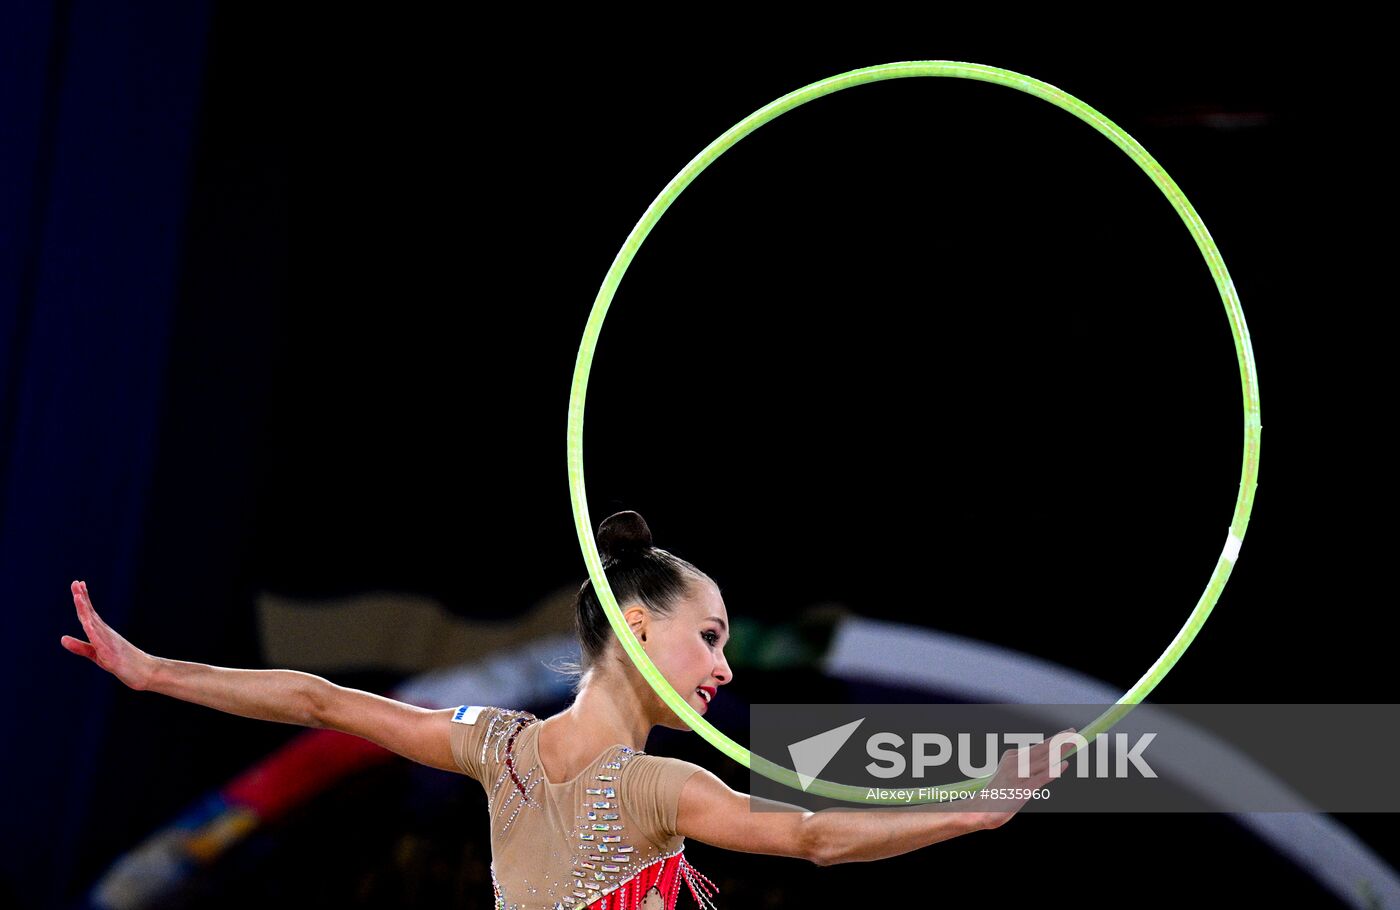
467 714
1232 548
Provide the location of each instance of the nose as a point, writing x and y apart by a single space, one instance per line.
722 673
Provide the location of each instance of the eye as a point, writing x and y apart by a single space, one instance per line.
711 636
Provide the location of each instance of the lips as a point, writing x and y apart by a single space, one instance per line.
706 692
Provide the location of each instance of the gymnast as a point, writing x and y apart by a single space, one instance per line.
580 815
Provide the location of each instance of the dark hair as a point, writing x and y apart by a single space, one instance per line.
636 571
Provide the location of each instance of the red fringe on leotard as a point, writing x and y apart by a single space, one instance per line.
666 875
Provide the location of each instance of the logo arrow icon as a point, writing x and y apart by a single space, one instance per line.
810 756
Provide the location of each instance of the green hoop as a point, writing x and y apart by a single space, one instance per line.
1249 383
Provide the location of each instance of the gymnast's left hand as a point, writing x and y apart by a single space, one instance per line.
105 647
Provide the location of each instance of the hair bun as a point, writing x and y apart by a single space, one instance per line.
622 535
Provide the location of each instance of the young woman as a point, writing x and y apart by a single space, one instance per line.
580 815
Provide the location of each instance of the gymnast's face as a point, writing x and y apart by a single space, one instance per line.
688 646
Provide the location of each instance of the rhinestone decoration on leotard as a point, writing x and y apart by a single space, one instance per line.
501 732
603 876
522 791
601 863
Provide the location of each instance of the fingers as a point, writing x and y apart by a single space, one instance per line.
1040 767
86 614
78 646
1038 776
1038 760
84 608
1044 778
80 596
98 634
1060 751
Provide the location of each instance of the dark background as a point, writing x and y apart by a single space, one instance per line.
292 303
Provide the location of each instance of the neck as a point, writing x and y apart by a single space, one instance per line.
612 707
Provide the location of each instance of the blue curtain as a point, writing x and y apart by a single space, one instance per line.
98 118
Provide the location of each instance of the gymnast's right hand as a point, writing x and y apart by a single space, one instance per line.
105 647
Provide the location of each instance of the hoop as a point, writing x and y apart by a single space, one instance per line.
1249 470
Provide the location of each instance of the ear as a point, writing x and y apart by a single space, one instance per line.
637 617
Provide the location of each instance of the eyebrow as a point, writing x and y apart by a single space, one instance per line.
721 622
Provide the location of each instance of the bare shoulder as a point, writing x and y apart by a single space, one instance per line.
712 812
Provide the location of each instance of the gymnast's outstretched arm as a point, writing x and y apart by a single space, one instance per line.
711 812
284 696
